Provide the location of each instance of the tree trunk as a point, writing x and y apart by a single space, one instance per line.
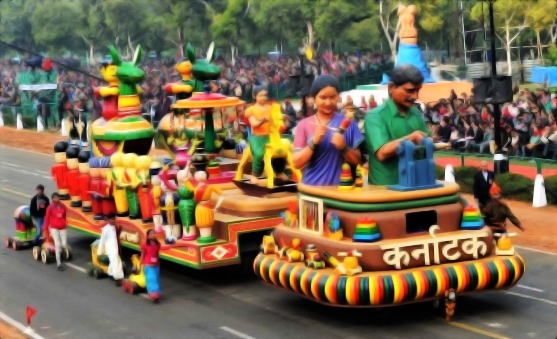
508 48
92 54
539 44
309 26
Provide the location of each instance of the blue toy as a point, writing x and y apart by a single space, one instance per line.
416 167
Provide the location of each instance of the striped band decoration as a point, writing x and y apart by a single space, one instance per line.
395 288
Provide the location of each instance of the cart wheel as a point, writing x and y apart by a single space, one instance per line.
7 242
68 254
89 269
133 288
15 245
45 256
97 274
36 253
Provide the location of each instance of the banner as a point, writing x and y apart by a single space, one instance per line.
38 87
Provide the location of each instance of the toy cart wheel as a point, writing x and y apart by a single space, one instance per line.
89 269
15 245
68 253
97 274
7 242
46 257
36 253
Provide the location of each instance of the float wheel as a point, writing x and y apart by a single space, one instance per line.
15 245
97 274
36 253
7 242
89 269
68 254
133 288
45 256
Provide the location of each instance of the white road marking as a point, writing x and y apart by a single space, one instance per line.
495 325
20 326
534 250
75 267
530 288
144 295
9 164
550 302
236 333
15 192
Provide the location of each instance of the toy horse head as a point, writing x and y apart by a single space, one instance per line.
185 65
128 72
204 69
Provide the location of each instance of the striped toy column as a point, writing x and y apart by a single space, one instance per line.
390 289
471 219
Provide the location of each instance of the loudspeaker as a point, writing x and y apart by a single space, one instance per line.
496 90
503 89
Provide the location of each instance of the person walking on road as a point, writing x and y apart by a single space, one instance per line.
55 224
151 265
108 245
37 208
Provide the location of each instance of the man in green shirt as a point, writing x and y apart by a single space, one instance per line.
397 119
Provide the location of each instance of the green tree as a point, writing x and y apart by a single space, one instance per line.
511 15
233 25
542 14
15 22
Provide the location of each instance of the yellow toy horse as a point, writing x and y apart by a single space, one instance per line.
276 148
136 281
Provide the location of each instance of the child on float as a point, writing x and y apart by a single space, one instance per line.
319 147
151 265
55 225
108 245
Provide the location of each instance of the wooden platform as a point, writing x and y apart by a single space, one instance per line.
377 194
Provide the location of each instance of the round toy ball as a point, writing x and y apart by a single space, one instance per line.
296 242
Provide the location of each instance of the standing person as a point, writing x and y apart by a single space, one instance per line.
151 265
483 180
37 209
496 212
108 245
55 223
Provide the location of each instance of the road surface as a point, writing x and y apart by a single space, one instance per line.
215 304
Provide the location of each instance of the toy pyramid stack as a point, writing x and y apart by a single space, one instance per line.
471 219
359 182
366 231
346 181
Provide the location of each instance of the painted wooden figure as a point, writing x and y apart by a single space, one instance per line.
95 188
72 175
117 184
84 180
130 183
58 172
155 195
108 202
169 206
142 181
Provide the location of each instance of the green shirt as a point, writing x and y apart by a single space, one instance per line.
383 125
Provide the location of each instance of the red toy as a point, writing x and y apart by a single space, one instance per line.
59 171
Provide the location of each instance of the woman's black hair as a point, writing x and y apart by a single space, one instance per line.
322 82
147 240
406 73
258 89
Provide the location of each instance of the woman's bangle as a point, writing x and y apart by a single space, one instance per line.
311 144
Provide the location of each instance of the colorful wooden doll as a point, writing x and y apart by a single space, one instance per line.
142 164
110 93
183 89
73 175
204 214
116 182
130 183
59 171
107 191
129 76
155 194
84 180
186 208
169 206
95 188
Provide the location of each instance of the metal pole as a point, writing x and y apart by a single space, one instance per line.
496 110
463 31
302 73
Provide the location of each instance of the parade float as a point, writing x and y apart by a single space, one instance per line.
359 245
201 217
